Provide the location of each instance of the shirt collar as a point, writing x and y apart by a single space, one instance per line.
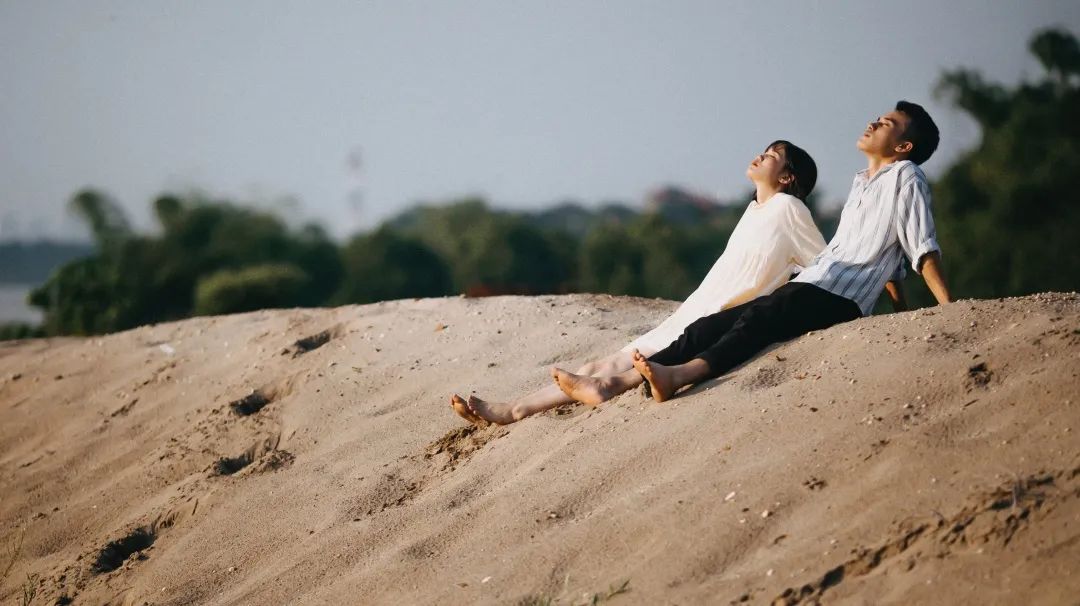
884 169
756 203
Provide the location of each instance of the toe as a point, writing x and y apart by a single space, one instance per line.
462 408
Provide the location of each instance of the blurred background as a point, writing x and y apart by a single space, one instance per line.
164 160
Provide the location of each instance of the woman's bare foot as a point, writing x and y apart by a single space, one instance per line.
660 379
461 407
587 390
493 412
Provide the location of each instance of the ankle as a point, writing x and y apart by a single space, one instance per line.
695 371
519 411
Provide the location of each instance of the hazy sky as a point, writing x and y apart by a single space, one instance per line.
356 110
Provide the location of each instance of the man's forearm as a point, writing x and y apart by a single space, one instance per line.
935 277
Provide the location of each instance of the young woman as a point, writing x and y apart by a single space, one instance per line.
775 235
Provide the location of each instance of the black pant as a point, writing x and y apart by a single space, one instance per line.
730 337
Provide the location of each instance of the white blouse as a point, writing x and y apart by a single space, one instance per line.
772 240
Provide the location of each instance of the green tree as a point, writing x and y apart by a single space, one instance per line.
250 288
137 279
650 257
492 252
386 265
1008 211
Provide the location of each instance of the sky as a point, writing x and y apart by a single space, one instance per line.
346 113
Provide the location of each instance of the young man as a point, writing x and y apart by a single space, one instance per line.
886 217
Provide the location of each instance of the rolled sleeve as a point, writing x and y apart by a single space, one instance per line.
915 223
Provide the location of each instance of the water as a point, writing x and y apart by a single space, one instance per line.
13 307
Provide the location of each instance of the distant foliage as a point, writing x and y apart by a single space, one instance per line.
1008 214
651 257
250 288
492 252
135 279
19 330
386 265
1008 211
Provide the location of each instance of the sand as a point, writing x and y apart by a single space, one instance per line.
927 457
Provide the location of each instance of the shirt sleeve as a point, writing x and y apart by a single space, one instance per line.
806 240
900 273
914 222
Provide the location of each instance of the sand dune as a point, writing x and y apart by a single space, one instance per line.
309 456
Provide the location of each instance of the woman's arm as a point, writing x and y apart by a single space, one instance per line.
805 237
896 295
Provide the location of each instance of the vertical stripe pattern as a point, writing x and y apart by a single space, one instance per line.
885 219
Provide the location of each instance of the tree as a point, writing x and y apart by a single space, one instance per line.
137 279
1008 211
386 265
250 288
491 252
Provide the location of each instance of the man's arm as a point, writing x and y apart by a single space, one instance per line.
896 295
930 268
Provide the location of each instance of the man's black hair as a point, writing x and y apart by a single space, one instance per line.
921 131
800 166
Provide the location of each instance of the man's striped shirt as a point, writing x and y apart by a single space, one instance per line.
885 218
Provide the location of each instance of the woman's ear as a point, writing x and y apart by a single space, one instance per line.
785 178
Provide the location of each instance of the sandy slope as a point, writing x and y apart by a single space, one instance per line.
923 457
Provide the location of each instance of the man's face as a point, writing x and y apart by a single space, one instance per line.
884 135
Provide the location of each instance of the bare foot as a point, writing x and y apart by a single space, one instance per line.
658 376
492 412
462 408
587 390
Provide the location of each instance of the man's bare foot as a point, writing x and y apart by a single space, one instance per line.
492 412
587 390
461 407
658 376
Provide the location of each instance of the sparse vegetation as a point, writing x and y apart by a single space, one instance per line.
13 552
30 589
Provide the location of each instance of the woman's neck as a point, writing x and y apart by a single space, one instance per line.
765 191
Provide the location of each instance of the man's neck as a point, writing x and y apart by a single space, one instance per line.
876 163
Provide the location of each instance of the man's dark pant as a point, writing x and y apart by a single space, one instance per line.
730 337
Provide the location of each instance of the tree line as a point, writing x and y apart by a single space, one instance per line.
1007 212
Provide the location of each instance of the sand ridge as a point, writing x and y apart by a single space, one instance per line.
309 456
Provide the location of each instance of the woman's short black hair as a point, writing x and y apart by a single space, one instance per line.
921 131
800 166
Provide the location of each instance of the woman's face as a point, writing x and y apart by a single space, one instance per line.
769 167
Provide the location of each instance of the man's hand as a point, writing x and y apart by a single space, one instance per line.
934 277
896 295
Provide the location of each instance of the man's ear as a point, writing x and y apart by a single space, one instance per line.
904 147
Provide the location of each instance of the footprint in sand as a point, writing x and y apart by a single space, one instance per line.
458 444
115 553
312 342
251 403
